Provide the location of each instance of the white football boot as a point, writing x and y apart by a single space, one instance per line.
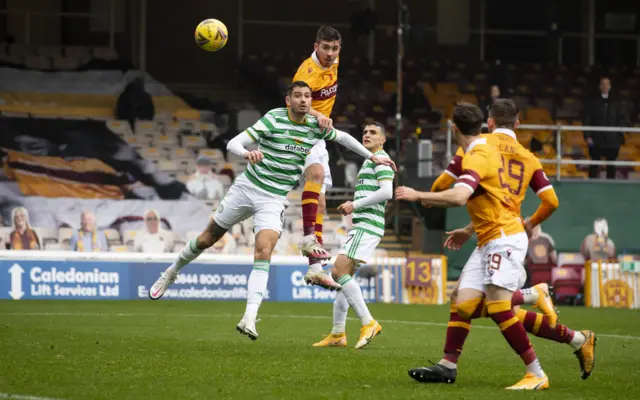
162 284
312 249
247 326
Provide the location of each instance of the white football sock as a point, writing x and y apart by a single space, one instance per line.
535 368
578 340
340 309
189 253
256 288
448 364
352 292
530 295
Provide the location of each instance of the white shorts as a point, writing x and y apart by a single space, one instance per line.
360 245
500 262
319 155
244 200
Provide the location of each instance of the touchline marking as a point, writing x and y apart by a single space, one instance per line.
292 316
24 397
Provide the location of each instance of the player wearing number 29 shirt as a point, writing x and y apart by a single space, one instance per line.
518 169
495 269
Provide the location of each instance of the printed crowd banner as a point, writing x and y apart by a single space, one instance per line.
613 284
124 276
425 279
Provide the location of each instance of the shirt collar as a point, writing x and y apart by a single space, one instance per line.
314 56
507 132
476 142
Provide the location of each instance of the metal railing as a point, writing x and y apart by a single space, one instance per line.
559 129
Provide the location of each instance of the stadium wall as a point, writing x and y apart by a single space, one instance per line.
580 204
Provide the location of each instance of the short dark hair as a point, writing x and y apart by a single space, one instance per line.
328 34
468 118
297 84
378 125
504 112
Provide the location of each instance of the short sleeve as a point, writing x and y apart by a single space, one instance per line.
539 181
454 169
262 128
474 168
384 173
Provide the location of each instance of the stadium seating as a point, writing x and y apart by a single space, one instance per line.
545 94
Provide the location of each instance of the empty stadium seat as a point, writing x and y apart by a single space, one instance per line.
166 141
49 51
151 153
168 166
567 282
47 235
64 235
214 154
142 127
119 248
181 154
119 127
193 142
128 237
80 52
65 63
20 50
37 62
113 237
53 247
539 273
105 53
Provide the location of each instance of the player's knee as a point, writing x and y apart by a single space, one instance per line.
210 235
263 252
315 173
467 308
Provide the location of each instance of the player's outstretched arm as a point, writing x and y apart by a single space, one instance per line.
352 144
383 194
449 175
237 147
455 197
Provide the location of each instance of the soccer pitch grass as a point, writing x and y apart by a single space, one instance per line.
191 350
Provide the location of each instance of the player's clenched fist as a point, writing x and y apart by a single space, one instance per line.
406 193
254 156
384 161
346 208
325 122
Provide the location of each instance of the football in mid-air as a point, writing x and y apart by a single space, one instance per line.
211 35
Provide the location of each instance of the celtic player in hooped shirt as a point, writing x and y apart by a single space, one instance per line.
373 188
285 137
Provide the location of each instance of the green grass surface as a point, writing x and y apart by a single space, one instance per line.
190 350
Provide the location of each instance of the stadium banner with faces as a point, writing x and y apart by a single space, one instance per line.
126 276
425 279
613 284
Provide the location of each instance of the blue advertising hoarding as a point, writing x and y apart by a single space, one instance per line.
130 279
